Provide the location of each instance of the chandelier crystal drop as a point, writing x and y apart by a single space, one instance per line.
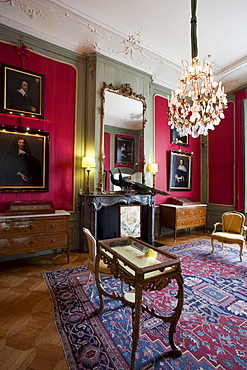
197 104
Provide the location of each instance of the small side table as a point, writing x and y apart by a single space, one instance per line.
142 267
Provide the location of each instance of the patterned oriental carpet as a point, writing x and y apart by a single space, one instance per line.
211 332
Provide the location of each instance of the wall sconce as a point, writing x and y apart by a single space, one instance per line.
153 167
88 163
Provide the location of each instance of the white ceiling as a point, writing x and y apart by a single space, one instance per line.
151 35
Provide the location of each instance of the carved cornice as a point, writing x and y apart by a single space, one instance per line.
24 7
92 66
108 41
100 36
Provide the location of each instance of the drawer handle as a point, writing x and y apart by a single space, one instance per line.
53 225
30 227
6 228
31 242
53 240
6 245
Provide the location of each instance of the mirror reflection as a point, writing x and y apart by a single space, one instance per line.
123 129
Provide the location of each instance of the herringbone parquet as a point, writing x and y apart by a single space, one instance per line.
28 337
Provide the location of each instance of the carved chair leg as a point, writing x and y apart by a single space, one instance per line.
122 287
93 288
212 244
94 283
88 277
241 252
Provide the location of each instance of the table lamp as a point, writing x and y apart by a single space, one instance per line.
88 163
153 167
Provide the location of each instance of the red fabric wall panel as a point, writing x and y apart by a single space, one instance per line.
240 142
221 161
162 150
59 121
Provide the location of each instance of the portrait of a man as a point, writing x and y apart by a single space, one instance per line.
20 100
23 162
23 92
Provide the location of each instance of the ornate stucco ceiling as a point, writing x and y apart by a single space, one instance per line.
153 36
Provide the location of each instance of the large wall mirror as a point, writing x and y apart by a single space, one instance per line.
122 135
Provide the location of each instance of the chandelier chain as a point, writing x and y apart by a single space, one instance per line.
194 49
197 104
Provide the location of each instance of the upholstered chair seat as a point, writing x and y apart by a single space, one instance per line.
103 269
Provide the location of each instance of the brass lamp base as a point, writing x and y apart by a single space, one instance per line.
153 179
88 189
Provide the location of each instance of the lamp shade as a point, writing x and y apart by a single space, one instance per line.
153 167
88 162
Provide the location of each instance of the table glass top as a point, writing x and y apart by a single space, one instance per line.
138 253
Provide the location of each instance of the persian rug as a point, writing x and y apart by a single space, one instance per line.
211 332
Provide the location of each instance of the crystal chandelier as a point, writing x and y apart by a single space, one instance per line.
197 104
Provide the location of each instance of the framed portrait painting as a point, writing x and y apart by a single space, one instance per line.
24 160
177 139
23 92
180 171
124 150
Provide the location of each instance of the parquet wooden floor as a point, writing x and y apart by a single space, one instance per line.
28 337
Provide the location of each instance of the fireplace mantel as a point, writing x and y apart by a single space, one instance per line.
95 209
109 200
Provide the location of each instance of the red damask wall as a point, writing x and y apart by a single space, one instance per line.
59 121
223 168
162 151
221 160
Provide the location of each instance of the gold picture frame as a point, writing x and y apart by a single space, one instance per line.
180 177
177 139
23 92
28 171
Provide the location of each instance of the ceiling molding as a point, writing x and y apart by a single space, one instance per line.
78 29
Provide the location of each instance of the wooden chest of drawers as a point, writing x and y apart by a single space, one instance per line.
34 233
181 217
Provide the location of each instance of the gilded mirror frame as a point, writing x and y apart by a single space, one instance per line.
126 91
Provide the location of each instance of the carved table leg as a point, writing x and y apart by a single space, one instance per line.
176 352
136 313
